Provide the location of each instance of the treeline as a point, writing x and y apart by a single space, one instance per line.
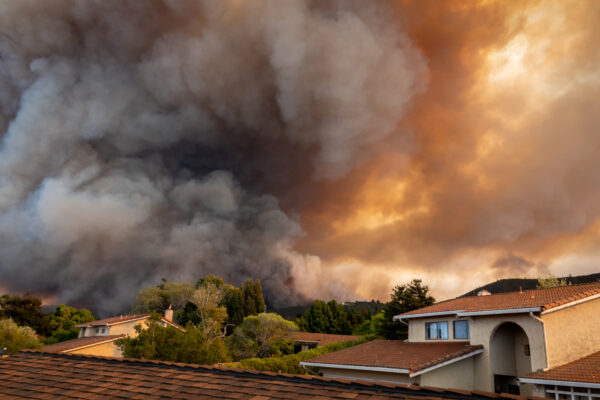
24 325
331 317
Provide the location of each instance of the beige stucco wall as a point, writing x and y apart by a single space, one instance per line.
127 328
572 332
458 375
369 376
103 349
482 331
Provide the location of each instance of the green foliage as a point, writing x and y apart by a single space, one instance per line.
370 326
550 282
262 335
291 363
62 323
25 311
408 297
16 338
170 344
253 302
159 298
325 318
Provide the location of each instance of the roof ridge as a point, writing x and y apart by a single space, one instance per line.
338 382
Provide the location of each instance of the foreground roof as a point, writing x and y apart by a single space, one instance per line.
524 301
584 370
396 356
69 345
37 375
322 338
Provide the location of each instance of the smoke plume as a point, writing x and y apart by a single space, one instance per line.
151 139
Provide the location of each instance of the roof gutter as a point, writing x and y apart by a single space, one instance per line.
560 383
355 367
499 312
91 344
440 365
433 314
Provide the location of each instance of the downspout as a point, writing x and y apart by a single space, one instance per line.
400 319
544 331
308 370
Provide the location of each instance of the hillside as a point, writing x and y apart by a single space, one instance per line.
513 285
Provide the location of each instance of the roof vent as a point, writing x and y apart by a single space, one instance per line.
483 293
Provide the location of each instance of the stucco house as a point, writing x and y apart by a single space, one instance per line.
484 342
98 337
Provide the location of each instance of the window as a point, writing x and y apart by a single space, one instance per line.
436 330
461 329
102 330
527 350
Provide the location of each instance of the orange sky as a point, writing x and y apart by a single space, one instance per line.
501 179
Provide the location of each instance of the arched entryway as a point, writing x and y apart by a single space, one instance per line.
510 356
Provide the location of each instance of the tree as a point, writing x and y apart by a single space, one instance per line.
325 318
370 326
253 302
550 282
25 311
63 320
208 298
262 335
171 344
16 338
404 298
159 298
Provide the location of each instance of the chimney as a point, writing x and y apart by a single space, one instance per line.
169 314
483 293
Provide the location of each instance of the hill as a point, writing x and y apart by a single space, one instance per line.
514 285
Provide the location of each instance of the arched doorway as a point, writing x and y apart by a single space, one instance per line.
510 357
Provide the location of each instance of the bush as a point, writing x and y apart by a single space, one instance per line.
290 364
16 338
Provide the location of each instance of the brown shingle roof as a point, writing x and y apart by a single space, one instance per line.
37 375
79 342
396 354
322 338
543 298
586 369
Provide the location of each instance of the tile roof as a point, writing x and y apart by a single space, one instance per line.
586 369
38 375
397 354
322 338
124 318
543 298
79 342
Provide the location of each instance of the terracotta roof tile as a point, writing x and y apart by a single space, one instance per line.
322 338
79 342
396 354
543 298
132 379
586 369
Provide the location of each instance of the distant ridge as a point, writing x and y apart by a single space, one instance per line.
514 285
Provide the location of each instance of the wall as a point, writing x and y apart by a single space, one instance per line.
482 330
104 350
459 375
567 331
369 375
127 328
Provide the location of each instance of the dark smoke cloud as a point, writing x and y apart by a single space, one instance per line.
152 139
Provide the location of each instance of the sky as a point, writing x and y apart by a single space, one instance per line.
332 149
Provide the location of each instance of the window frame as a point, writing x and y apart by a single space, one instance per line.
438 330
468 329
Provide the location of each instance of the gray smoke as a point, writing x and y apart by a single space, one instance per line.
151 139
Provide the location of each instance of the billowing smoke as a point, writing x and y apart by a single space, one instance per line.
151 139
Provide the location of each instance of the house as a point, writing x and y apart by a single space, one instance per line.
577 380
38 375
98 337
483 342
309 340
